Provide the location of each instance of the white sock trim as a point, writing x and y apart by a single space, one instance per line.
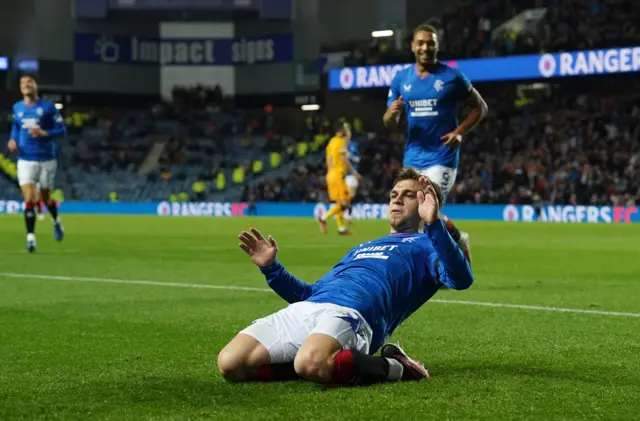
395 370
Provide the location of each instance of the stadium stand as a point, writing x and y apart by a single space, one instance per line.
503 27
567 149
194 147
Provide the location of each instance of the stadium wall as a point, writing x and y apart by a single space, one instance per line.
371 211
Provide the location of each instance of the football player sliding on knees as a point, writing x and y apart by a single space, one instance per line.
331 329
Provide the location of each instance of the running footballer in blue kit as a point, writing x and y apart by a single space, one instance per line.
35 126
430 93
331 329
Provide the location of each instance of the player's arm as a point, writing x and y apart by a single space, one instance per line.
354 154
59 128
287 286
471 98
448 262
262 252
347 163
15 133
395 104
15 128
479 110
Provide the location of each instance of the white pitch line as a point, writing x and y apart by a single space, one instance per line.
538 308
131 281
254 289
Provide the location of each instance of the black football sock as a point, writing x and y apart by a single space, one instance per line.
53 209
356 368
277 372
30 217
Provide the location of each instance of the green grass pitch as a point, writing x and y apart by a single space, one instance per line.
79 348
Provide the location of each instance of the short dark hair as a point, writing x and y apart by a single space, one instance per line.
425 27
30 76
409 173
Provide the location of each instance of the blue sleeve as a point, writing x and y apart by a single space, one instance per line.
15 127
59 128
394 89
463 86
449 263
287 286
353 152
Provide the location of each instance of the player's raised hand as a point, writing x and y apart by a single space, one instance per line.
452 140
12 145
261 251
428 206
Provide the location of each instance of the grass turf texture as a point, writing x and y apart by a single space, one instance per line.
73 350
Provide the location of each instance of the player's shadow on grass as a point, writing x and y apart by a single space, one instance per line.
591 375
166 393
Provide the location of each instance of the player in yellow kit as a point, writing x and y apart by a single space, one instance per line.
338 166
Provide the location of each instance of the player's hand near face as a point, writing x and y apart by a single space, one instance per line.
261 251
12 145
428 206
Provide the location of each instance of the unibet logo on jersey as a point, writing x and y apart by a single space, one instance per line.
374 252
423 108
30 123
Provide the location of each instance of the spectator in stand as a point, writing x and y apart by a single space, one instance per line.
564 150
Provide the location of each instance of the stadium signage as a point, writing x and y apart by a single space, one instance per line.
358 210
218 209
570 213
575 63
183 4
10 206
371 211
117 49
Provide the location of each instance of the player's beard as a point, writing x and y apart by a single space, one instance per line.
425 60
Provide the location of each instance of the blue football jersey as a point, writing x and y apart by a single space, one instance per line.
353 154
385 280
43 114
431 109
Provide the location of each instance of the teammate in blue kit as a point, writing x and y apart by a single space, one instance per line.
353 155
36 124
430 93
331 328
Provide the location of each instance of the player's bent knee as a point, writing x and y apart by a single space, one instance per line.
231 367
314 365
241 358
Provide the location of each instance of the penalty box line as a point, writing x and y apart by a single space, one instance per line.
254 289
